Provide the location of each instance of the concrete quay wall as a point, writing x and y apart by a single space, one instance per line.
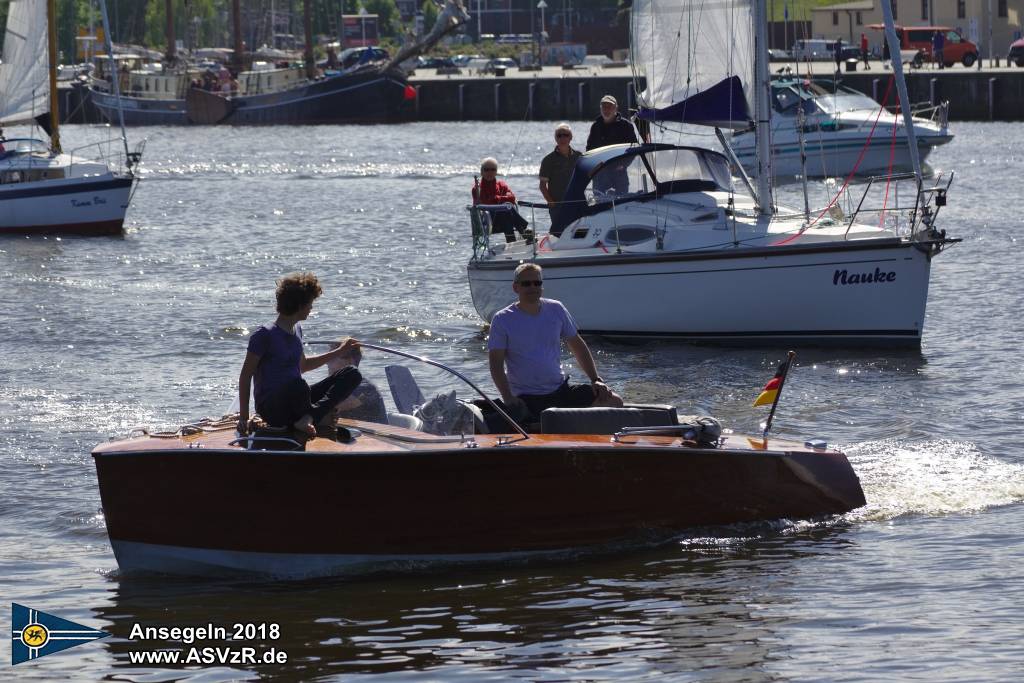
990 94
515 98
985 95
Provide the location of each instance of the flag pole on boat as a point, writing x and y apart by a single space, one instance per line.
773 391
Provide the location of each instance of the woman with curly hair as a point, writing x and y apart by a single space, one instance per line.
276 360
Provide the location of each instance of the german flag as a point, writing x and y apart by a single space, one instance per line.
771 390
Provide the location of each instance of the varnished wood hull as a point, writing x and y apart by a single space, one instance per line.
192 510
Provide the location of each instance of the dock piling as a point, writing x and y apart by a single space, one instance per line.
992 84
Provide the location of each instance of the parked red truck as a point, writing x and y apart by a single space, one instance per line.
956 48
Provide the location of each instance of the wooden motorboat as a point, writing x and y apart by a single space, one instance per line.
203 500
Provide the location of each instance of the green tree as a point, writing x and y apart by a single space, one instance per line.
388 19
429 10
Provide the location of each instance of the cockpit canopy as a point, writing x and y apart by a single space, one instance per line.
628 172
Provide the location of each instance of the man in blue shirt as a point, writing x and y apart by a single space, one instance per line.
524 353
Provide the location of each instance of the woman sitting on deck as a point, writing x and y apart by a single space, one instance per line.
490 191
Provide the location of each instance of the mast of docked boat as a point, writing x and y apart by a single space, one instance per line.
171 56
115 80
901 88
51 45
236 21
762 110
307 27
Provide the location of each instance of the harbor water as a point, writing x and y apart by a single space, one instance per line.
104 334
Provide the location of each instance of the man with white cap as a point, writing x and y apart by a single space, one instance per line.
611 129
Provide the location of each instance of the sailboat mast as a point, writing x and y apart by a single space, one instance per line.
901 88
51 41
763 110
307 28
236 20
171 54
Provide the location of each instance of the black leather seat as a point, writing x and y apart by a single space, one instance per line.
605 420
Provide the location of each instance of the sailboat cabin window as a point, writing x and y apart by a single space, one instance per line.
672 165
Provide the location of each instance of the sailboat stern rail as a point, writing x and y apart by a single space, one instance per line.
110 153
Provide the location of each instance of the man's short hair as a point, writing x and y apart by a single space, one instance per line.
523 267
295 291
563 126
488 160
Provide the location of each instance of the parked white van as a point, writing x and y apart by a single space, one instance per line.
814 48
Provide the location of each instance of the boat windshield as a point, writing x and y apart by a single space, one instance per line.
817 98
671 165
660 169
25 146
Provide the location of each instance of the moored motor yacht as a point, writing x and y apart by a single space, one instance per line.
842 132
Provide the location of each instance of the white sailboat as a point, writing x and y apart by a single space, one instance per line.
42 188
679 252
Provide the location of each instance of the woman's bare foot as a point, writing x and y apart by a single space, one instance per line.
305 425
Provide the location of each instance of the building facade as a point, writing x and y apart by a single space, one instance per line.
849 20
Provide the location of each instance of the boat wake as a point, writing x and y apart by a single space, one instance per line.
935 477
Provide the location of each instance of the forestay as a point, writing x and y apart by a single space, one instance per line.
697 57
24 79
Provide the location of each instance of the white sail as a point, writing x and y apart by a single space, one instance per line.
685 47
24 77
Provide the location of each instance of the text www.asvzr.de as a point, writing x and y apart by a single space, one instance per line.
209 655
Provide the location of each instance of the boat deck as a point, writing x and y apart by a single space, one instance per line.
380 438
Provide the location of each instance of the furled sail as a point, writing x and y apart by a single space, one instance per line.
24 76
697 57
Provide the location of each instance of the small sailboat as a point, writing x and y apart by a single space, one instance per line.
659 240
44 189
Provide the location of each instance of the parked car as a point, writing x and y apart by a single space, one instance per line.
499 63
434 62
463 60
361 55
812 49
956 48
1016 54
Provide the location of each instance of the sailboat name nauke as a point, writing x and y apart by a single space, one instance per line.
842 278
